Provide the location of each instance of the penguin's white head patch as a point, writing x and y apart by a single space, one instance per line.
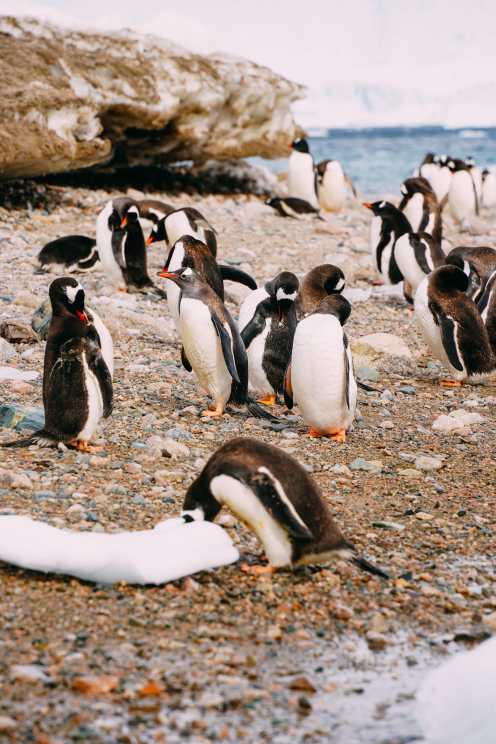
281 294
187 272
133 210
71 292
382 205
466 268
339 285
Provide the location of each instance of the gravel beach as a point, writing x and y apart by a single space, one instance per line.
223 655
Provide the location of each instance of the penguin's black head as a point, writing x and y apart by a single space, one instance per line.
336 305
415 185
272 201
284 287
448 278
474 282
300 145
381 208
428 158
67 298
182 276
323 280
158 232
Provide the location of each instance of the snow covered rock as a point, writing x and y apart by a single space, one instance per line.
71 98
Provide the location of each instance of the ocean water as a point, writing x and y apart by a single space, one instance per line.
379 159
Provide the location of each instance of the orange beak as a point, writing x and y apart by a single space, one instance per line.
150 239
124 222
167 274
367 204
82 316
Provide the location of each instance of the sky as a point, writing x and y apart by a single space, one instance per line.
431 46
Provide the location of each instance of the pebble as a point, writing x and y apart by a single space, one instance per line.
29 673
181 434
409 473
75 513
407 389
17 333
341 470
376 641
367 373
425 462
7 351
132 467
371 466
378 344
389 525
7 724
456 421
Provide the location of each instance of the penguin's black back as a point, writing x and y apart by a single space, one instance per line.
68 250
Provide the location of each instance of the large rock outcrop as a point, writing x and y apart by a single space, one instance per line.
71 99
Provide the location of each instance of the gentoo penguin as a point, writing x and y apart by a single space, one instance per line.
322 280
270 492
302 182
72 251
421 207
416 254
331 185
184 221
476 174
320 375
388 224
427 166
487 308
212 344
488 188
462 197
440 177
452 325
267 322
77 384
478 262
291 206
153 210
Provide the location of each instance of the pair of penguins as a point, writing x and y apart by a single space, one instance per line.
263 486
454 295
312 187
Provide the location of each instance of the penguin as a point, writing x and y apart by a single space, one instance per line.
462 197
477 262
416 255
322 280
273 495
440 177
77 384
421 207
331 185
388 224
267 322
320 375
427 166
488 188
71 251
153 210
212 344
109 220
487 308
302 182
184 221
452 325
291 206
476 174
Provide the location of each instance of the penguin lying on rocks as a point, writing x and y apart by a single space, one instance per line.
273 495
291 206
77 384
71 252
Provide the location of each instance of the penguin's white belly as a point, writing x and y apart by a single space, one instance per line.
203 349
95 403
429 171
431 331
246 506
461 196
440 182
178 225
173 291
489 190
110 266
318 374
332 192
107 346
375 235
257 379
301 177
407 263
385 259
413 211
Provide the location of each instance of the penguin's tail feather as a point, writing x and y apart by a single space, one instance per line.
258 411
42 438
366 565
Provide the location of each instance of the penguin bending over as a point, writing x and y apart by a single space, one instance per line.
267 321
322 280
153 210
71 251
421 207
452 325
291 206
181 222
212 344
320 375
388 224
331 185
77 384
477 262
487 308
270 492
302 180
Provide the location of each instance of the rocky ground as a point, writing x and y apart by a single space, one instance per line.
322 654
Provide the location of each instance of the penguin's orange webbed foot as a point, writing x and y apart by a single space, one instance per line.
312 432
268 400
215 412
82 446
267 570
339 435
450 383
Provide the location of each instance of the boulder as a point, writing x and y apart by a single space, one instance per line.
73 99
377 345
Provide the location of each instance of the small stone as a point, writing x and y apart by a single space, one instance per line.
17 333
7 351
378 623
274 633
409 473
379 344
389 525
175 449
29 673
302 684
75 513
132 467
367 373
424 516
490 621
342 470
457 421
376 641
180 434
424 462
407 389
7 724
386 425
371 466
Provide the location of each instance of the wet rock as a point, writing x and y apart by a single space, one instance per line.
19 418
17 333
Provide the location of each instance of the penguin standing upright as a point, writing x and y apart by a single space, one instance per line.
440 177
212 344
476 174
452 325
416 255
488 188
71 251
462 197
77 384
421 207
270 492
487 308
322 280
267 322
331 185
302 181
387 225
181 222
427 166
320 376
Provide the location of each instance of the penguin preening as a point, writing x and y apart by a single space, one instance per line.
184 221
153 210
212 344
477 262
331 185
320 378
487 308
272 494
77 384
71 251
291 206
452 325
267 322
322 280
387 225
302 181
421 207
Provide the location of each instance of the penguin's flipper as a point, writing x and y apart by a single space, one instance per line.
255 327
185 361
448 329
118 246
227 347
230 273
371 568
98 367
288 388
347 371
273 498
